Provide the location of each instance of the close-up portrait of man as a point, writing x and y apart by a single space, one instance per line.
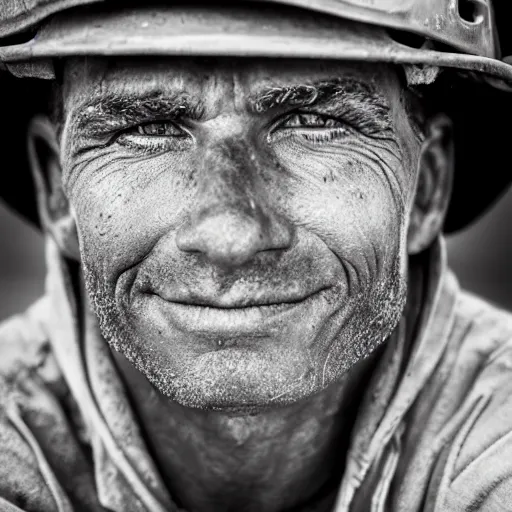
248 305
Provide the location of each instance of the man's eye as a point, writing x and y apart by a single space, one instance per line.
155 138
311 121
315 128
166 129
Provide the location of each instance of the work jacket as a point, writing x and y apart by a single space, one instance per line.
433 432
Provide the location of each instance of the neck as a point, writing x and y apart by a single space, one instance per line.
278 460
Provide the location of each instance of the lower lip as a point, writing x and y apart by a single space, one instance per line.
227 321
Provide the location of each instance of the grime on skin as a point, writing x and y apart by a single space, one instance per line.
244 228
241 248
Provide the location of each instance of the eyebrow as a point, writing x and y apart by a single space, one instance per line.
352 93
109 110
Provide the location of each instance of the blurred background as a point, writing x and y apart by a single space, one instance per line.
480 256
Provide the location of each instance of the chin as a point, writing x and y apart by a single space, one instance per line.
237 381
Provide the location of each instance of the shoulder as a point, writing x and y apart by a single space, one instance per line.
42 463
24 344
477 473
26 357
484 317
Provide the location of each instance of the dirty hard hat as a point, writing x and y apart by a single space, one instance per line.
455 35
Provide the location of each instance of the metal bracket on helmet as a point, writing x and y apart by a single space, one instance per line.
41 68
421 75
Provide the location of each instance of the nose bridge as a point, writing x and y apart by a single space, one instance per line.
232 220
228 175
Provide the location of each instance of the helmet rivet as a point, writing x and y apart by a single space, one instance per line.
470 10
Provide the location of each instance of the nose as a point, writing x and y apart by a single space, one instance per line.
233 235
232 221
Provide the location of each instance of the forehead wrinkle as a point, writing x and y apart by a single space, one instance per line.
112 108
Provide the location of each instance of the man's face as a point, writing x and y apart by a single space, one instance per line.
242 225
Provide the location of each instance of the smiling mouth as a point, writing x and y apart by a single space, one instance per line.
235 318
243 305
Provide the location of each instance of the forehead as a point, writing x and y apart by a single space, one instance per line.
223 77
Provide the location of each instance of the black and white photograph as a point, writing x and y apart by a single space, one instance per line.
255 256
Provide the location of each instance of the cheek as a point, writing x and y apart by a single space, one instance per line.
123 204
353 196
350 195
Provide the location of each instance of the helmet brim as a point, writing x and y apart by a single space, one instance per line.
269 31
288 33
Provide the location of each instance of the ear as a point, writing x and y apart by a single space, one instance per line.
53 206
434 184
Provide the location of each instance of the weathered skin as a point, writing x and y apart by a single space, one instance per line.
244 229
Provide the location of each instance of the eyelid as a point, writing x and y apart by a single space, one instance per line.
284 118
132 138
171 122
278 125
154 145
310 132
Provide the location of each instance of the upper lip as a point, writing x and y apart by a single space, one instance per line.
228 301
